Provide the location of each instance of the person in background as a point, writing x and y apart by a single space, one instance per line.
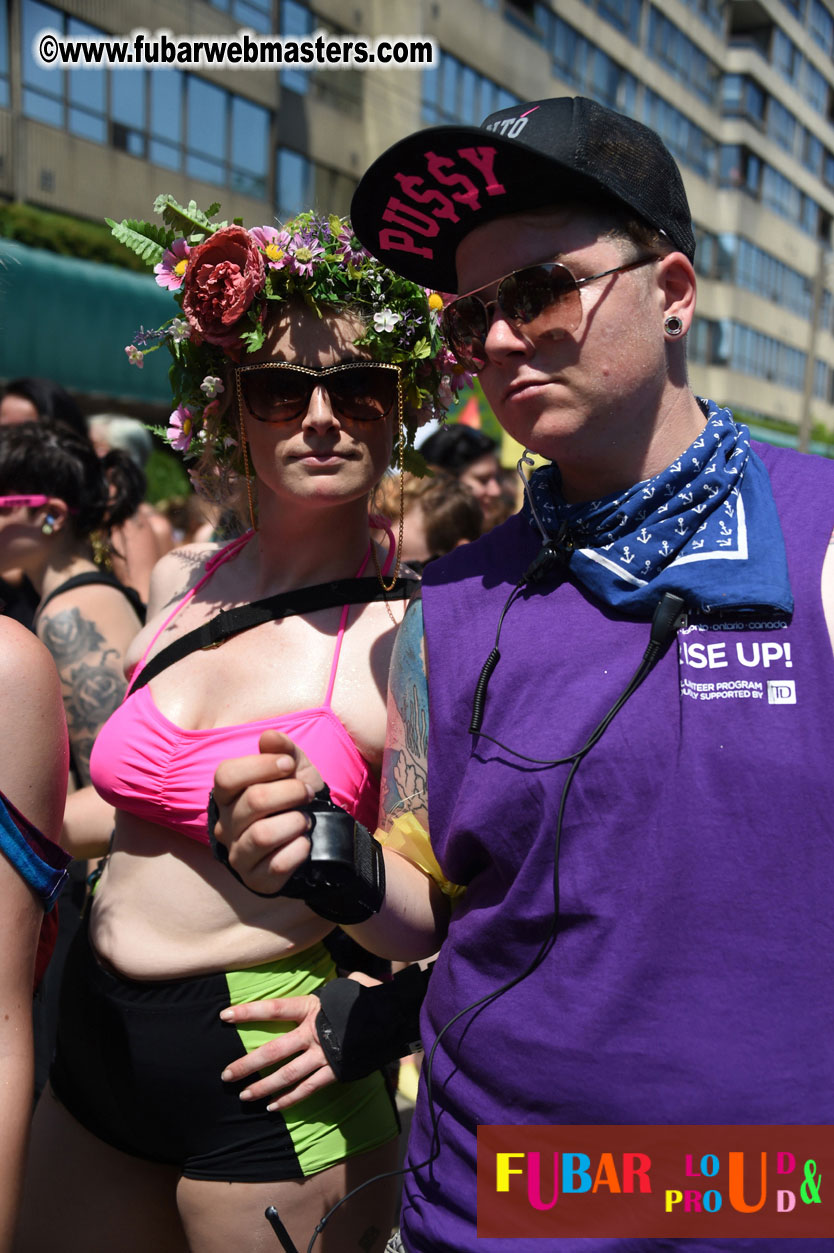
39 400
58 502
439 512
58 499
138 542
470 456
33 779
32 400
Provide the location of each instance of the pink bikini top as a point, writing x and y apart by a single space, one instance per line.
146 765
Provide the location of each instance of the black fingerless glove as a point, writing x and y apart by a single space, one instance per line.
361 1029
343 876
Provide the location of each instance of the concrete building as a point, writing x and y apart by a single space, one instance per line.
742 92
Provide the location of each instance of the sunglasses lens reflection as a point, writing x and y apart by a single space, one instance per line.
541 298
541 291
466 323
360 395
276 395
363 395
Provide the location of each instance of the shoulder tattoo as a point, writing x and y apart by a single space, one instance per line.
405 763
91 679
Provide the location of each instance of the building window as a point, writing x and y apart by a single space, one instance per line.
343 89
5 95
622 14
781 125
828 168
454 92
297 21
304 184
821 381
764 357
786 57
530 17
687 142
765 275
742 97
821 26
711 13
740 168
591 71
812 152
680 57
702 342
706 253
814 88
254 13
176 120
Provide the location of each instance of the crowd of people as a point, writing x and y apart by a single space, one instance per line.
508 778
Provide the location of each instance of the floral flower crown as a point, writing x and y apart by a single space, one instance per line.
224 277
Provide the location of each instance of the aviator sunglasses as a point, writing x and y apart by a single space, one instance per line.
280 391
542 298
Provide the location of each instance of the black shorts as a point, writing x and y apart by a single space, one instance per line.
138 1064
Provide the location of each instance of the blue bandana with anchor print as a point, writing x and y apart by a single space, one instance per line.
706 528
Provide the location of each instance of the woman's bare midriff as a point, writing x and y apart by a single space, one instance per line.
164 909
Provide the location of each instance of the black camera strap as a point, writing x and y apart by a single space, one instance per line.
271 609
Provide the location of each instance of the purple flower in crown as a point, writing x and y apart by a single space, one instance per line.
274 244
349 248
180 429
305 250
171 269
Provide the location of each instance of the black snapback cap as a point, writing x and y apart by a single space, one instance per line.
428 191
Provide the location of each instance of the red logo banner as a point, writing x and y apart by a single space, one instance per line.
655 1182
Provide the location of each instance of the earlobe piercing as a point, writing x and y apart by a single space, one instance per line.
49 524
673 325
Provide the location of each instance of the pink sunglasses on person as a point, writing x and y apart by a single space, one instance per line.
16 502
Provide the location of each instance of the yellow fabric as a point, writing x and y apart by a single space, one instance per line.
410 838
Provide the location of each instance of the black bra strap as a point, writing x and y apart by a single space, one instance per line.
98 576
271 609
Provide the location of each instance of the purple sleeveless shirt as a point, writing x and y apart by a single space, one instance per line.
691 980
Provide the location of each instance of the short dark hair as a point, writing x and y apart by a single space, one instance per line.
455 447
48 458
51 401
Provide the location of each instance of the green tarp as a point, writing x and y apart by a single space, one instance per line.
70 320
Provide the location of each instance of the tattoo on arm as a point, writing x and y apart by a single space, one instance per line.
405 763
91 679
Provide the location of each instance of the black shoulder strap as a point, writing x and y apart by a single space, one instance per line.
97 576
271 609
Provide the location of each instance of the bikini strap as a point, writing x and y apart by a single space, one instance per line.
217 559
380 523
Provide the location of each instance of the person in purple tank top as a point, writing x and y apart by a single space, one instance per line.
608 712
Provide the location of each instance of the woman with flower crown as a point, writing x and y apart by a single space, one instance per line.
300 366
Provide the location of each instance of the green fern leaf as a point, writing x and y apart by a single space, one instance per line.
146 240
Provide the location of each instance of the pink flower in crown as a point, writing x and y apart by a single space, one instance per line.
171 269
305 251
458 376
134 356
274 244
224 275
180 429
